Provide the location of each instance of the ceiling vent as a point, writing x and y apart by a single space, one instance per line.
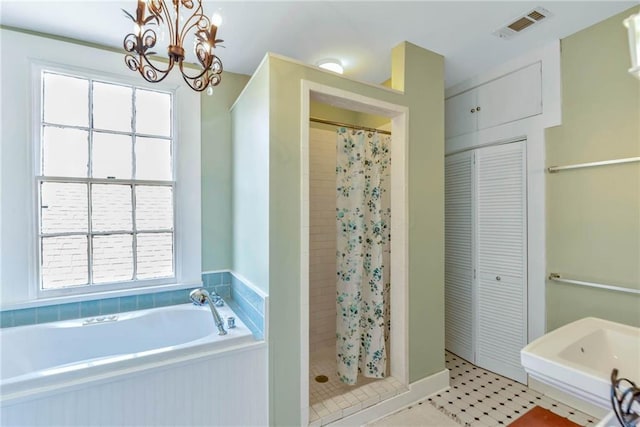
521 23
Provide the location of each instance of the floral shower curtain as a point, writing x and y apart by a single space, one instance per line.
363 160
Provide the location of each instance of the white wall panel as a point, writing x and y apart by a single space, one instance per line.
322 239
217 391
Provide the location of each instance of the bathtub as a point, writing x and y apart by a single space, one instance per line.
578 358
170 349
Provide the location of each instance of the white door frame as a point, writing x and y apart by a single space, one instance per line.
399 116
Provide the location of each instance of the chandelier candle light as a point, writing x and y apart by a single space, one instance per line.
633 26
141 42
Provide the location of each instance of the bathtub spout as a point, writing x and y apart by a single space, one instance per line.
200 297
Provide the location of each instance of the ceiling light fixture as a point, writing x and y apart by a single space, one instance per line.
633 26
178 25
331 65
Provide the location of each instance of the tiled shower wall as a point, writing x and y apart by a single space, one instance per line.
322 239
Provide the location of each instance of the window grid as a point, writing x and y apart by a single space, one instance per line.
132 183
133 189
90 191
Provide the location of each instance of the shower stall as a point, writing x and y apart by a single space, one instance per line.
349 268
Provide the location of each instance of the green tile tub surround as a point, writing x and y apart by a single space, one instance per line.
248 306
244 301
89 308
24 317
218 282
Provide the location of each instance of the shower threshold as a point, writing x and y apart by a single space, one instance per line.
332 400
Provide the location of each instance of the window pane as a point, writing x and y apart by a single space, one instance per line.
155 255
65 152
66 100
153 113
112 258
154 208
63 207
112 107
111 155
153 159
64 261
111 207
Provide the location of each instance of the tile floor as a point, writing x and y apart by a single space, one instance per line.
419 415
479 398
333 399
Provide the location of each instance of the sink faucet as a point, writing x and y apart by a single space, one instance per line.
200 297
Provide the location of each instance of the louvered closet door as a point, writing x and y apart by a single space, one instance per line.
501 326
458 258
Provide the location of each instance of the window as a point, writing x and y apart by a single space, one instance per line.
105 185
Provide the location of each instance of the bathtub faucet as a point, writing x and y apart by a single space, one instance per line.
200 297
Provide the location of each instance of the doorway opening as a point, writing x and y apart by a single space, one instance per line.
318 261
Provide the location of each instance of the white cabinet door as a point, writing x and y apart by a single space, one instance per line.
458 265
513 97
459 114
501 326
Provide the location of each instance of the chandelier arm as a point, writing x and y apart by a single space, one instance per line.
197 15
204 54
187 76
197 82
138 44
208 77
214 66
150 72
167 18
164 72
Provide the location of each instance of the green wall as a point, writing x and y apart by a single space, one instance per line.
593 214
329 112
420 75
216 172
251 192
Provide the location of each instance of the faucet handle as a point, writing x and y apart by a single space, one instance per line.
199 296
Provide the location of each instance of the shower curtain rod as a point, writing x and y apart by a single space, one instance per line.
347 125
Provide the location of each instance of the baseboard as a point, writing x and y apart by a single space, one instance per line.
418 390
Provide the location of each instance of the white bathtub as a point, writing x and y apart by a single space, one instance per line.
171 348
578 358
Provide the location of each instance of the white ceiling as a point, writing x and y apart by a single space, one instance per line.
359 33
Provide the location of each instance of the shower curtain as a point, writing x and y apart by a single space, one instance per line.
363 160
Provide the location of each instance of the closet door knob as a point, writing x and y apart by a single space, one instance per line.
473 110
498 278
477 108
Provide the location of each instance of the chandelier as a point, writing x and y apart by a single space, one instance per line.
178 28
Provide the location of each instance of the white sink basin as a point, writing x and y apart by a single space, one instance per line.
578 358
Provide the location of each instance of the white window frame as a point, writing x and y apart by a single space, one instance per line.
38 68
20 53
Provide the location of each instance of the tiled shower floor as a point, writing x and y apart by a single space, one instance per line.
479 398
333 399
